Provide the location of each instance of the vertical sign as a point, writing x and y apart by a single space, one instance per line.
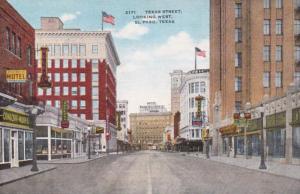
44 82
64 119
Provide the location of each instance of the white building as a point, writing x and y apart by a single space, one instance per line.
122 107
176 79
194 83
152 107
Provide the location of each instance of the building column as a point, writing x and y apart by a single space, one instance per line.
289 129
49 142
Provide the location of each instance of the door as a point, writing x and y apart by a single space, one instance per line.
14 149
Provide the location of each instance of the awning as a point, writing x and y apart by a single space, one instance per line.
229 129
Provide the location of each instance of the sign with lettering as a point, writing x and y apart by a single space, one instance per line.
44 80
14 117
65 118
276 120
16 76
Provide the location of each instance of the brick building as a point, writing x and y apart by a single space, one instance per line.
255 54
16 52
82 68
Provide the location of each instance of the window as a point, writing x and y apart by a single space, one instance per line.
7 37
65 49
278 53
74 91
65 63
238 35
95 77
297 27
279 27
82 104
57 91
74 77
266 54
95 91
238 105
266 80
49 76
65 91
297 78
65 77
18 49
40 91
278 79
57 63
82 50
82 63
82 91
74 104
13 42
297 53
196 87
74 63
74 49
202 86
278 3
238 59
96 116
95 64
238 10
20 145
238 84
28 145
49 65
56 50
28 56
82 77
94 49
57 77
266 27
96 104
48 91
57 103
266 4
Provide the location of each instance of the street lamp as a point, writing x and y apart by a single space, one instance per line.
89 142
33 112
262 151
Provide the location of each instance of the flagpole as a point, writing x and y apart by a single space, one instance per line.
195 60
102 21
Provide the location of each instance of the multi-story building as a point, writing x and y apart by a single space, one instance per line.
176 79
17 56
195 83
152 107
255 54
82 69
122 108
147 128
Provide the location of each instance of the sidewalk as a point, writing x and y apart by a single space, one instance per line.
14 174
77 160
273 167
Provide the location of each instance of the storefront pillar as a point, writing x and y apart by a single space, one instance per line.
49 142
289 131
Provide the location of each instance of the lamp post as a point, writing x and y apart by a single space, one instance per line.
33 112
262 151
89 142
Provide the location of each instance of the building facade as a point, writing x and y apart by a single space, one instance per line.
16 53
152 107
254 54
195 83
148 128
82 69
176 79
122 108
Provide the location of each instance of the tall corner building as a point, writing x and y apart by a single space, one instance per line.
176 79
82 69
255 53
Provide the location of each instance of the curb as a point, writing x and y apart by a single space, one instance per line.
27 176
256 170
73 162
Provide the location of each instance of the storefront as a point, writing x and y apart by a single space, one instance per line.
15 138
296 132
253 136
229 137
276 134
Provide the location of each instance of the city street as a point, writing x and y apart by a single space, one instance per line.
148 172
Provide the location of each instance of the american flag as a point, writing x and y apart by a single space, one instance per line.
108 18
200 52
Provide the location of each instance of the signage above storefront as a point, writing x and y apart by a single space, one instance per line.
230 129
276 120
65 118
16 76
14 117
296 116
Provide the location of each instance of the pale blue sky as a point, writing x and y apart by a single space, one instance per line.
148 52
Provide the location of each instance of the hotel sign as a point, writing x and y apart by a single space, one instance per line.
14 117
16 76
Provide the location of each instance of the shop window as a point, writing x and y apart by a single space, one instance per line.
42 132
21 145
296 142
6 137
1 150
42 146
240 145
28 145
276 142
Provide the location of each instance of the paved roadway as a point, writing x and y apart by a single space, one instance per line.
151 172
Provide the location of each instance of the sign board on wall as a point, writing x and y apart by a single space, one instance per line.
16 76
